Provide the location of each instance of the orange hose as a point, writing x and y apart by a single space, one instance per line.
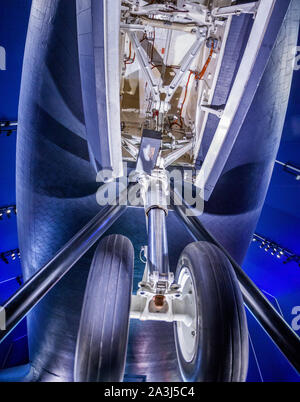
198 76
129 60
203 71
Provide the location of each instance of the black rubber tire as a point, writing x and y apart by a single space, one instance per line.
103 331
221 352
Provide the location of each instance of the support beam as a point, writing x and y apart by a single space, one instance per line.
98 50
237 9
178 153
287 167
130 148
173 26
146 67
185 64
32 292
268 21
155 23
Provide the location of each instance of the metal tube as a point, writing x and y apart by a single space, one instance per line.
8 123
267 316
18 306
178 153
176 26
291 167
158 259
185 64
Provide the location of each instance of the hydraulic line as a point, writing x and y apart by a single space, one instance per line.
198 76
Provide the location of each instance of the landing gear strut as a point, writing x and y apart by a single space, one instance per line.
203 300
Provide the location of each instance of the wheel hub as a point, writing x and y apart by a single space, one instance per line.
187 334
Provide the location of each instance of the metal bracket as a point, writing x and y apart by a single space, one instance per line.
151 9
146 67
237 9
161 300
216 110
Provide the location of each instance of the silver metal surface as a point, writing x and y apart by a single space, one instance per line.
111 10
158 259
154 190
130 147
185 65
98 46
146 67
173 156
176 26
176 307
237 9
132 27
224 138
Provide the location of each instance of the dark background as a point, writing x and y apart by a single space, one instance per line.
279 221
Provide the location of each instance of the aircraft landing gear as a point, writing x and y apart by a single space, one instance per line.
203 300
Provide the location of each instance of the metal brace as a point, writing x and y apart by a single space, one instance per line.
161 300
238 9
185 65
216 110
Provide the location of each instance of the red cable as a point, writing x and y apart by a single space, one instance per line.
129 60
199 76
180 122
